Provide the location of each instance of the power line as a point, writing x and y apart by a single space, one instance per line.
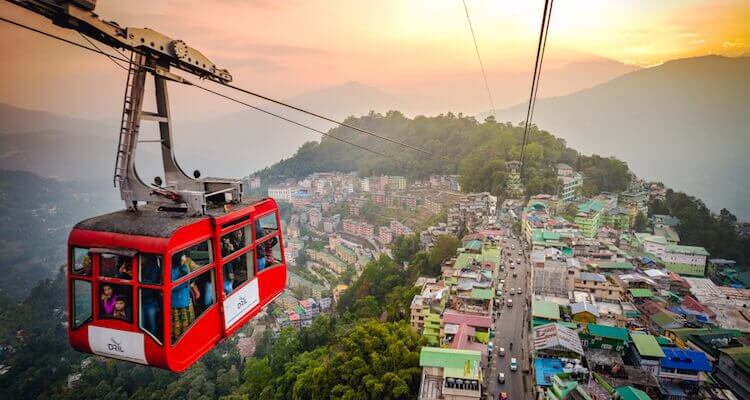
541 46
295 122
62 39
115 59
344 124
481 65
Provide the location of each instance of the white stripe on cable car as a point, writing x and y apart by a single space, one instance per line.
240 302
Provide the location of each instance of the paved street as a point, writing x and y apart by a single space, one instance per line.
511 327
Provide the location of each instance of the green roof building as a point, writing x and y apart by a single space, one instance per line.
631 393
647 352
544 312
639 293
605 337
686 260
589 217
733 370
442 367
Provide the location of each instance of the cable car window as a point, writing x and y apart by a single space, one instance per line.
82 310
151 316
265 226
116 301
238 271
150 268
81 262
269 253
116 266
190 259
234 241
189 300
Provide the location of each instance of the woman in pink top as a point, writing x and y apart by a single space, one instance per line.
108 301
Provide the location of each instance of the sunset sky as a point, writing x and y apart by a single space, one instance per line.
287 48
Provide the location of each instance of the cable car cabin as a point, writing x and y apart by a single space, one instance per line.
162 289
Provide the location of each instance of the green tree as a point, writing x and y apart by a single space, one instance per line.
445 247
641 222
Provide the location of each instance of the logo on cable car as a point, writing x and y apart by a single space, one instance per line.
241 302
114 345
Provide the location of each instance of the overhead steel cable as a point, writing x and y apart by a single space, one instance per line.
294 122
541 46
323 117
107 54
479 57
116 58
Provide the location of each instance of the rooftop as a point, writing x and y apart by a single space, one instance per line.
590 276
611 332
556 337
689 360
641 293
456 363
454 317
545 309
647 346
631 393
689 250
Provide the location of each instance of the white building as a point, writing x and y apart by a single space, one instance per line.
281 192
570 186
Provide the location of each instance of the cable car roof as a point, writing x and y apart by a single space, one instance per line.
149 221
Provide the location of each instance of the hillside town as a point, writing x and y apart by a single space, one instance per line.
555 295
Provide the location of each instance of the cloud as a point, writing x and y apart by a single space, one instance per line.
734 44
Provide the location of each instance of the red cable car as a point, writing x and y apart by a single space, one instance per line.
161 289
188 262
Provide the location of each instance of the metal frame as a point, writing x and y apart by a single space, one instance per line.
155 53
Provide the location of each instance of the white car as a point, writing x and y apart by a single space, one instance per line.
501 352
519 291
512 291
513 364
510 303
515 274
501 377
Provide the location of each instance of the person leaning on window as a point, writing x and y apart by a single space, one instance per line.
183 313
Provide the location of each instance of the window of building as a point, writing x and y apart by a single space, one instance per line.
191 259
190 299
81 262
115 301
151 312
150 268
82 307
116 266
268 253
238 271
236 241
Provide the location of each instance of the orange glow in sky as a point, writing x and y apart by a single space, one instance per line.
286 48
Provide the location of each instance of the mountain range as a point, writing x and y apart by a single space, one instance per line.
684 122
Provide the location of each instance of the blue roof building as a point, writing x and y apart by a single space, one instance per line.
684 366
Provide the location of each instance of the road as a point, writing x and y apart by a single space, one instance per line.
511 326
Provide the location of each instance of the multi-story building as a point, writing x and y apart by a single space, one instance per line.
315 217
399 229
358 228
253 182
281 192
653 244
617 217
346 254
472 211
571 186
396 182
450 374
635 199
686 260
599 286
385 234
328 260
433 205
589 218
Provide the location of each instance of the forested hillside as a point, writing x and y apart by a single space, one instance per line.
477 151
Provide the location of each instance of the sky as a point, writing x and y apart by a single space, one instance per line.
419 50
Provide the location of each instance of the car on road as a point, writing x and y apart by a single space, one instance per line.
518 261
490 347
519 291
512 266
513 364
515 274
501 377
503 396
512 291
510 303
501 352
502 281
